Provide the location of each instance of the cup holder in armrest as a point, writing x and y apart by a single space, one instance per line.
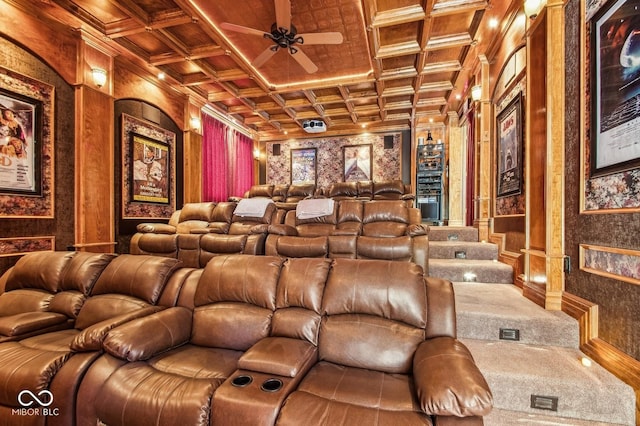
241 380
271 385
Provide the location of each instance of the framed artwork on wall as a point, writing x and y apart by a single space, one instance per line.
303 166
26 146
615 88
509 148
357 162
20 144
148 169
151 171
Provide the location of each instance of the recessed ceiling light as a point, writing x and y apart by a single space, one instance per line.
161 75
458 96
493 23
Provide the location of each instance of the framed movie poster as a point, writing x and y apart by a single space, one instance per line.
20 144
615 87
150 171
303 166
357 162
509 148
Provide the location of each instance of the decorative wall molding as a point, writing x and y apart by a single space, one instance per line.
611 262
17 246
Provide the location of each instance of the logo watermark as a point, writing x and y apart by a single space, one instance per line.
35 404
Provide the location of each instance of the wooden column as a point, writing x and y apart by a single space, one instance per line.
456 171
192 153
94 152
484 166
555 162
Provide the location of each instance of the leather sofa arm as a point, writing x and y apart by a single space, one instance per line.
447 380
156 228
281 356
91 338
414 230
263 228
146 337
284 230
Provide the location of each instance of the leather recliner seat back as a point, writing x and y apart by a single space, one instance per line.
299 299
350 213
343 190
373 307
156 244
194 215
234 301
40 270
244 224
388 190
299 192
316 226
128 283
265 190
221 216
385 219
280 192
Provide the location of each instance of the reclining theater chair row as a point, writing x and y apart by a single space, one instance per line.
321 227
247 340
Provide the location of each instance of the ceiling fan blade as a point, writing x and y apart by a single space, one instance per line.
304 61
241 29
322 38
283 14
264 57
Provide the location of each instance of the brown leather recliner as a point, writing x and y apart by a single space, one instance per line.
129 287
388 353
177 358
44 291
161 239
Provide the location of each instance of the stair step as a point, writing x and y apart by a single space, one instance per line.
509 418
516 371
485 271
455 233
484 309
462 249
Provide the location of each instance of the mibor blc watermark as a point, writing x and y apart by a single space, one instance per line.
35 404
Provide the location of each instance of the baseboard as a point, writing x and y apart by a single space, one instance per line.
615 361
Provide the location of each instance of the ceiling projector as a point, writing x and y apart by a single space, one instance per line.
314 126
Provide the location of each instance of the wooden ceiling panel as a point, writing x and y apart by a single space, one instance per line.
399 60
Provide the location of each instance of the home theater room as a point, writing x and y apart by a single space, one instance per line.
319 212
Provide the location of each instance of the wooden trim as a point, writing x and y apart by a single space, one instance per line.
618 363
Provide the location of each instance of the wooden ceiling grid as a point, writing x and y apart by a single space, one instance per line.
400 64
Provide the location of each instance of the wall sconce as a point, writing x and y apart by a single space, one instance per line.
99 76
256 154
194 122
476 92
532 8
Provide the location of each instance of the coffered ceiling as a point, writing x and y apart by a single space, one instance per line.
400 64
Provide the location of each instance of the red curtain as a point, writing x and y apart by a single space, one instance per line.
227 157
215 171
240 164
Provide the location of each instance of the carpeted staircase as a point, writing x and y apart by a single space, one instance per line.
529 356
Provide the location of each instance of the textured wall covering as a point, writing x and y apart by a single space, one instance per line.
19 60
330 161
619 302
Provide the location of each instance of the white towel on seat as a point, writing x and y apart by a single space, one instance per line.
314 207
252 207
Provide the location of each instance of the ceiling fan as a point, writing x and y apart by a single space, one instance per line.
285 36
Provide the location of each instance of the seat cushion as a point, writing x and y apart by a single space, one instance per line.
26 368
336 395
173 388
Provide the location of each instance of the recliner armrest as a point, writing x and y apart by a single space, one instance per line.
156 228
414 230
146 337
284 230
447 380
91 338
281 356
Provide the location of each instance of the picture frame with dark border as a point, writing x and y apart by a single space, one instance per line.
151 170
20 144
358 162
615 88
509 148
303 166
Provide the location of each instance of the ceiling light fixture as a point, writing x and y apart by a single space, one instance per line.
99 76
161 75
